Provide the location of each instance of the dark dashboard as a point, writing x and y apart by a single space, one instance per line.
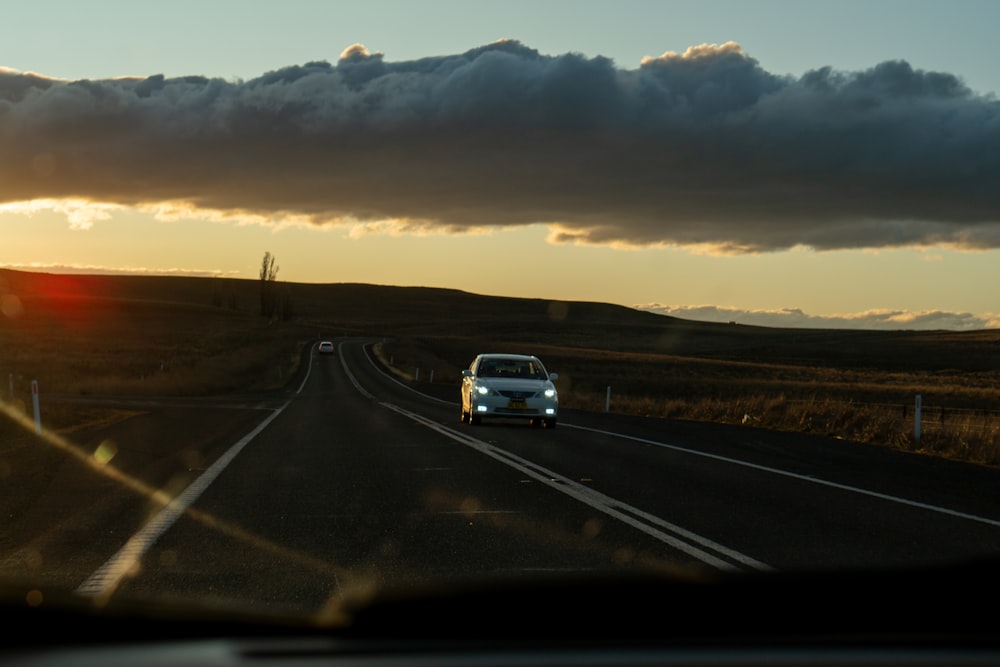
898 617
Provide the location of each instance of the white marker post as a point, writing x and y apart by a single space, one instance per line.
34 404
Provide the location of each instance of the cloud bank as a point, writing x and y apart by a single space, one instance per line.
703 148
92 269
795 318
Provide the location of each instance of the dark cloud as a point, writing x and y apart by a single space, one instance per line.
704 147
797 319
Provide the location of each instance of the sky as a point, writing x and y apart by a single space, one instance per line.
813 164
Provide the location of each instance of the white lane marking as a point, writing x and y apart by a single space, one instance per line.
395 379
350 376
106 579
683 540
798 476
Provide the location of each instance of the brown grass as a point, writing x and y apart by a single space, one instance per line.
102 346
103 335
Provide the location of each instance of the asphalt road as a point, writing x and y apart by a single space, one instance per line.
353 479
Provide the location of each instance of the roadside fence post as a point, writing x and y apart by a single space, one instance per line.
916 419
607 400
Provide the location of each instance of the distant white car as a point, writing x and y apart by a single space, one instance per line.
509 385
326 347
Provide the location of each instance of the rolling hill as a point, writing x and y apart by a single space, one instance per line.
114 334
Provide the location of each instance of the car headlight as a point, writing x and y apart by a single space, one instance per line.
550 393
482 390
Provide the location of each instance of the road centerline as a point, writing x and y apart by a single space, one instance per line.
701 548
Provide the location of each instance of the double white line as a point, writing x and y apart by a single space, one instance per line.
701 548
698 547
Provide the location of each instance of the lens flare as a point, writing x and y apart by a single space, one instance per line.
106 451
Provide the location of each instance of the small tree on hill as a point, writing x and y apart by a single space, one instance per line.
268 276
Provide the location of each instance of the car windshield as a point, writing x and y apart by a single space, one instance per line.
512 368
249 256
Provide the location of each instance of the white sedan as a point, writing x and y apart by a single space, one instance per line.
509 385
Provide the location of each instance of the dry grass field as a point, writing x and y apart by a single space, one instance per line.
128 335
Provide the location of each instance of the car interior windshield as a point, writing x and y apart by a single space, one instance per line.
281 285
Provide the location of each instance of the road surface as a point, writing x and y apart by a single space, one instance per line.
353 480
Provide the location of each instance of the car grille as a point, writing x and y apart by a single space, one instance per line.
511 393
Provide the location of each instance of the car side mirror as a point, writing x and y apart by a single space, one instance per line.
466 373
553 376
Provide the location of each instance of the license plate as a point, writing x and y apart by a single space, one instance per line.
517 404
